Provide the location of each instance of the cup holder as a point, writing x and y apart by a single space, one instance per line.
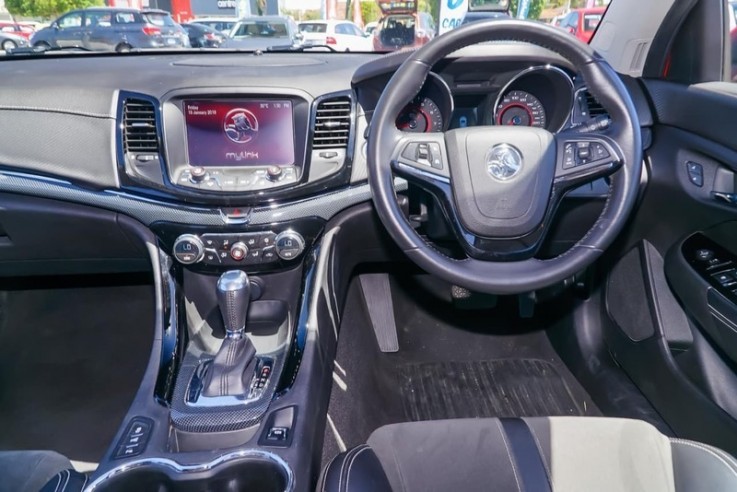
260 473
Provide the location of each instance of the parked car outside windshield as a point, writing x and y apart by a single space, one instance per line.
263 32
340 35
112 29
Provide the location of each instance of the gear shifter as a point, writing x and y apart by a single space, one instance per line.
233 366
234 296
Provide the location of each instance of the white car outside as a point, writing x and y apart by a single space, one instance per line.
341 35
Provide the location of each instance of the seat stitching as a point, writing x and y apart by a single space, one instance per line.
347 461
399 468
509 455
327 468
86 479
58 482
542 456
350 466
63 475
342 467
704 448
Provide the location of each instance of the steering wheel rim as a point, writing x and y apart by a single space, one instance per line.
386 144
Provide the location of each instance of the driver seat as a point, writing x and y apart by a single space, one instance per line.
528 454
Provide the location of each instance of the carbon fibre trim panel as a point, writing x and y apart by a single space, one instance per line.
219 419
149 211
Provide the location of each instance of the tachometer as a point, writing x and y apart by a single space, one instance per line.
422 115
520 108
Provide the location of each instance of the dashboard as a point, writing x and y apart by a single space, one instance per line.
227 139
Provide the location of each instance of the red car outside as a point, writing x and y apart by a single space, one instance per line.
17 29
583 22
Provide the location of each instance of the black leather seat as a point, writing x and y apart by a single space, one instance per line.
533 454
34 471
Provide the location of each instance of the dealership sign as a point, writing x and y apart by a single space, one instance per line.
452 13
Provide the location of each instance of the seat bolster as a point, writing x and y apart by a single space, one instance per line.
698 467
356 470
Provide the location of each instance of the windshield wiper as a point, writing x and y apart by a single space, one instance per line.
300 47
40 50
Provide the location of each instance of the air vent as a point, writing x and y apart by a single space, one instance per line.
332 123
592 105
139 127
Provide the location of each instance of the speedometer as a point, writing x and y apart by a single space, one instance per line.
520 108
422 115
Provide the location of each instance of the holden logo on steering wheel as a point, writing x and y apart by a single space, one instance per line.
503 162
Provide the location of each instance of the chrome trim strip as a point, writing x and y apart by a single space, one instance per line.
526 71
149 211
196 468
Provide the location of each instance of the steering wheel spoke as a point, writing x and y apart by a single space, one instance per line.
583 158
423 160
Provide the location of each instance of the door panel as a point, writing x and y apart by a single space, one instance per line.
670 323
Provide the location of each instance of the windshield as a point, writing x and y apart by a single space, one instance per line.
379 26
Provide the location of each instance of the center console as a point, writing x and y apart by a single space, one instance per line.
222 405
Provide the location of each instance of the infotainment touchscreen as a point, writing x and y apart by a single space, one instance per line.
245 132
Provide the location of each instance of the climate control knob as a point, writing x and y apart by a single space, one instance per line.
289 245
188 249
238 251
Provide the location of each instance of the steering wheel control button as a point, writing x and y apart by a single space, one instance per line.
135 439
188 249
599 152
569 157
238 251
289 245
583 151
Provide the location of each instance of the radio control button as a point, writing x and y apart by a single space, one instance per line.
274 173
197 174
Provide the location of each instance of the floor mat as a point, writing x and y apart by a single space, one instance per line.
491 388
71 361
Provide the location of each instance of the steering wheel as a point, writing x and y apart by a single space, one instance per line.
499 187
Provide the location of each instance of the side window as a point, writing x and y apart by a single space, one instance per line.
125 18
732 36
70 20
98 19
341 29
356 31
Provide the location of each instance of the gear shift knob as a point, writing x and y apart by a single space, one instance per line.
234 296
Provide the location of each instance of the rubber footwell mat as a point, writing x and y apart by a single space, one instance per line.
489 388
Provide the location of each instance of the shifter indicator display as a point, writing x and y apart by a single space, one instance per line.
248 132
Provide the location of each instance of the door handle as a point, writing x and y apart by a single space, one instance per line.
722 196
